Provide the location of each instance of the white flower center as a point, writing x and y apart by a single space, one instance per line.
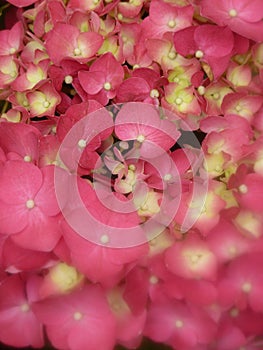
77 52
46 104
140 138
30 204
27 158
154 279
238 108
243 189
154 93
82 143
201 90
25 307
120 16
167 177
199 54
179 324
216 96
246 287
12 50
107 86
232 13
234 312
104 239
171 23
68 79
77 316
172 55
124 39
178 101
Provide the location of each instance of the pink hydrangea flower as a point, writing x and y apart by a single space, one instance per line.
78 320
242 16
209 43
19 324
103 78
65 41
28 205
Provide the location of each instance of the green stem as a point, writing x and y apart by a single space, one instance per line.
3 8
5 107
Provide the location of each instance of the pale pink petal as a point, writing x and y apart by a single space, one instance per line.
19 182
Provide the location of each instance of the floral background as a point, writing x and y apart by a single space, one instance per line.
131 174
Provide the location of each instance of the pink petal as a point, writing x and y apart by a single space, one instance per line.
46 197
110 67
13 218
61 42
20 138
22 3
19 182
213 40
184 42
23 259
253 31
42 233
89 43
133 89
91 82
249 11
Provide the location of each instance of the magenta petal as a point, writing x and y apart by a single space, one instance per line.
213 40
250 11
19 182
253 31
17 328
91 82
20 329
23 259
22 3
110 67
184 42
42 232
89 43
13 218
218 65
61 42
133 89
46 197
20 138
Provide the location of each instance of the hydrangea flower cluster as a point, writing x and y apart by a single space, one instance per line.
103 105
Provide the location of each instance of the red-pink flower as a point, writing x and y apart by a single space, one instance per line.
243 104
209 43
165 17
16 258
90 245
192 258
179 325
226 242
247 187
43 101
19 327
144 85
142 123
103 78
79 320
130 319
21 139
28 205
242 16
11 41
65 41
242 282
